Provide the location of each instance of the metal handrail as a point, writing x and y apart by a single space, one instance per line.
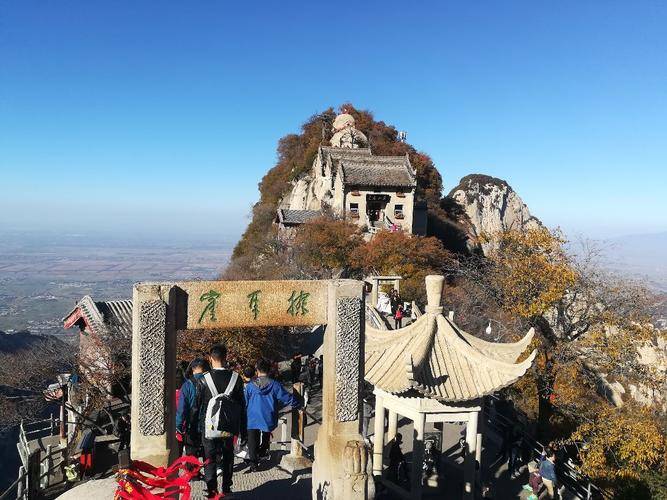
6 494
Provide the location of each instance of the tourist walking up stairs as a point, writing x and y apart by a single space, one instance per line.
220 413
264 398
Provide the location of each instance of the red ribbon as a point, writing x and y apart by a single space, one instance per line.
136 482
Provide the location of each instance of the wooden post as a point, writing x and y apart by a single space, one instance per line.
298 423
33 475
53 425
20 487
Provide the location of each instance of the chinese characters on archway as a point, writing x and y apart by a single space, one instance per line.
295 305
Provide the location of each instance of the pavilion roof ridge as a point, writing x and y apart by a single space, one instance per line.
472 352
436 358
505 351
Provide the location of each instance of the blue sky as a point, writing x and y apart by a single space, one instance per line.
163 116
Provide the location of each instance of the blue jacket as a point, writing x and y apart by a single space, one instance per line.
547 470
186 401
264 397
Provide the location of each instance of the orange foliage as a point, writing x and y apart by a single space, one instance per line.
323 246
620 443
531 270
412 257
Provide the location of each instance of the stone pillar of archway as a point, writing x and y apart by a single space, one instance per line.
153 358
340 467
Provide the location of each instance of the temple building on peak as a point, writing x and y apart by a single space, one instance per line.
375 192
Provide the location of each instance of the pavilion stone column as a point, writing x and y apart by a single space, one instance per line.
153 367
375 292
417 456
392 428
434 286
378 435
469 469
339 470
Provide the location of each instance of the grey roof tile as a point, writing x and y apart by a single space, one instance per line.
287 216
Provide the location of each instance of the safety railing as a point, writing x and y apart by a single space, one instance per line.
20 486
38 466
26 485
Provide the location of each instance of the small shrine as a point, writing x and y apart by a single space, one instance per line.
432 371
374 191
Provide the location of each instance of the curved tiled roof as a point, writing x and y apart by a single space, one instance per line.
439 360
98 316
359 167
287 216
378 172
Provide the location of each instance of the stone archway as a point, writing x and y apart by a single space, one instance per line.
161 309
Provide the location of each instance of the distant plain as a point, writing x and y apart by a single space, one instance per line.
42 275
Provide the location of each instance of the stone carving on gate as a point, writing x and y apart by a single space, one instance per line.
348 338
162 309
152 367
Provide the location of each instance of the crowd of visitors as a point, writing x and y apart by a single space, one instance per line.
220 410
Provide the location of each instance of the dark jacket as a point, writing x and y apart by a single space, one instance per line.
221 378
264 398
186 401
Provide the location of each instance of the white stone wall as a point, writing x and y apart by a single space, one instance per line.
407 201
338 202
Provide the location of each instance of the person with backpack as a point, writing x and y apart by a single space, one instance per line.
264 397
220 412
187 429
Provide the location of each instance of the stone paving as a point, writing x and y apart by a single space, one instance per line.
272 482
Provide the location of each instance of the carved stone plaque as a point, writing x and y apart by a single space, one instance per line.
220 304
348 341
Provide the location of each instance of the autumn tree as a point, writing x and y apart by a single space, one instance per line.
617 444
323 246
28 363
588 326
413 257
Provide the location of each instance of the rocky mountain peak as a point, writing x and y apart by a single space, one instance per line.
491 206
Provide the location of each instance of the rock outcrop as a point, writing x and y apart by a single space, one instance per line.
491 206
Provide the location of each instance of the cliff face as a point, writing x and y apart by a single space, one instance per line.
491 206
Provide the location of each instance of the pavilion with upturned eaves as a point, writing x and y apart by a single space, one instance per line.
432 371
